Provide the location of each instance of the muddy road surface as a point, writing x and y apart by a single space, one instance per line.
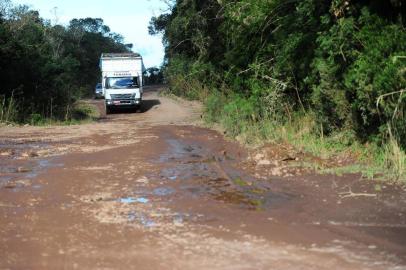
154 190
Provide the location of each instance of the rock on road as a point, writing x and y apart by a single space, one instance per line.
155 190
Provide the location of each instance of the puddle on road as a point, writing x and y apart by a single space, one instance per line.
199 173
188 171
249 197
16 150
21 161
141 219
163 191
180 150
46 164
179 219
14 172
133 200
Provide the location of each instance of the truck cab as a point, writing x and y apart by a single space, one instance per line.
122 80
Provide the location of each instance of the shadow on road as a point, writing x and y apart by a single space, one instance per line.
146 105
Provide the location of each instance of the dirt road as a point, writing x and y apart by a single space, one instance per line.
153 190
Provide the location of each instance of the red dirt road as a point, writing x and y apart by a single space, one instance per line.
154 190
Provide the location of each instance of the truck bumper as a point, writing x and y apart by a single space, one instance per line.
123 103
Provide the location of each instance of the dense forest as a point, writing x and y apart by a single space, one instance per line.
45 67
339 65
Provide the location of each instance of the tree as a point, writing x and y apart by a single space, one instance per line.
47 67
273 58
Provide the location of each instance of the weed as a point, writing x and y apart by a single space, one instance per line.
395 158
240 182
84 111
191 89
8 109
36 119
303 132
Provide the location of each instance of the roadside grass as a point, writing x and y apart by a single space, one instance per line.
371 160
84 111
80 112
191 89
385 162
394 158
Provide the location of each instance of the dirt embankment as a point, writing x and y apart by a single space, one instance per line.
153 190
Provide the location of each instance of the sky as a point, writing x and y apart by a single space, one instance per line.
130 18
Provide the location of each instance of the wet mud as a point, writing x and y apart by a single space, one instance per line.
153 190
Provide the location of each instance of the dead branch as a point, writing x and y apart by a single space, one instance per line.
349 194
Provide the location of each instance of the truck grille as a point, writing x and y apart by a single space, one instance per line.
121 96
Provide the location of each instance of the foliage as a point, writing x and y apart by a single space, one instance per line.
354 65
45 68
269 62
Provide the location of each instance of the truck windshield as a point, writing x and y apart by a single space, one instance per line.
122 82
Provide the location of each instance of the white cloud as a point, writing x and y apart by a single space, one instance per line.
135 30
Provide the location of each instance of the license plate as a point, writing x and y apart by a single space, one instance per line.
116 102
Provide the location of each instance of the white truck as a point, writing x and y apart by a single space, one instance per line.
122 79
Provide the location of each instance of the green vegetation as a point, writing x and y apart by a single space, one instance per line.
46 68
327 76
240 182
80 112
8 109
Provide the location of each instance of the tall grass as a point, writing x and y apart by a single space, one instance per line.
303 132
8 110
394 157
191 89
79 112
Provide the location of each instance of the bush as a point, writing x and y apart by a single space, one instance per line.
214 106
340 63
